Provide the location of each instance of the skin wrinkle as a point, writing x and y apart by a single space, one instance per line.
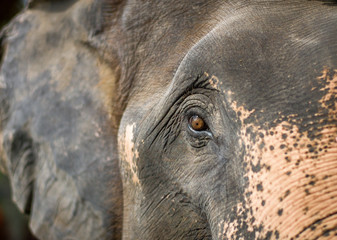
191 88
292 201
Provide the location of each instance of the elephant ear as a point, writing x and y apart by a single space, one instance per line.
58 122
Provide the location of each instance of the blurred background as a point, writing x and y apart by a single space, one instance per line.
13 224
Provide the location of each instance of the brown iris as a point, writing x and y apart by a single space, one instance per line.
197 123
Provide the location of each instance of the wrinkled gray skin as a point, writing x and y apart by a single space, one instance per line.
96 98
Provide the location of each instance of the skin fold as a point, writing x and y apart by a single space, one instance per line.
96 132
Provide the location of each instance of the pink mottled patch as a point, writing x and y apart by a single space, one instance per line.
129 153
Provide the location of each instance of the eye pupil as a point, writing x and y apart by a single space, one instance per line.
197 123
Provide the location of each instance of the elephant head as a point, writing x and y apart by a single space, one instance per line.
173 120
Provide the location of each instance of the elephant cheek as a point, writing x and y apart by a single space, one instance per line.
291 173
292 184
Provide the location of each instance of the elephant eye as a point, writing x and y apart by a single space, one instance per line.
197 123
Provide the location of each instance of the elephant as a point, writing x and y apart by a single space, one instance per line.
204 119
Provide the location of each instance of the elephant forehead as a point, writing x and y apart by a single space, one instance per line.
270 69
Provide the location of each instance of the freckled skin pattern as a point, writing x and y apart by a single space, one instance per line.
96 101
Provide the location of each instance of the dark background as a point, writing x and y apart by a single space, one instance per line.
8 9
13 224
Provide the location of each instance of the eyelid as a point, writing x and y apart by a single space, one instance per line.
204 133
196 100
